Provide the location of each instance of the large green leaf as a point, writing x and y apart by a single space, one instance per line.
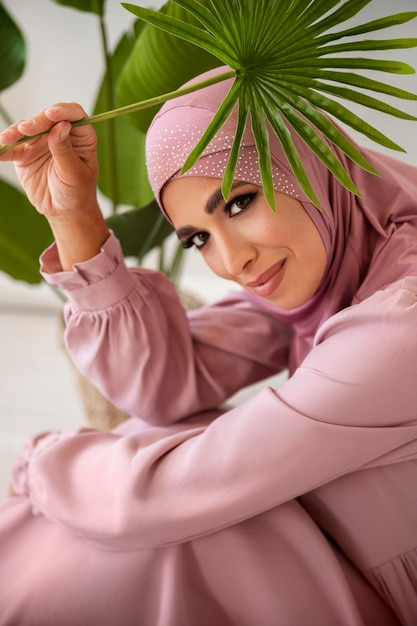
24 234
140 229
90 6
161 63
121 146
12 50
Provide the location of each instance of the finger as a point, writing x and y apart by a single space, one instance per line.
61 111
18 133
46 119
36 124
66 160
59 139
11 134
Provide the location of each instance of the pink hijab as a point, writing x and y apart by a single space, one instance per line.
370 241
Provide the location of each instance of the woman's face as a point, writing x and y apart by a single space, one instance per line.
278 256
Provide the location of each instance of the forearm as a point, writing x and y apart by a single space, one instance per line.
165 486
58 172
127 332
80 239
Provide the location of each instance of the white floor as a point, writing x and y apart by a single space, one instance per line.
37 390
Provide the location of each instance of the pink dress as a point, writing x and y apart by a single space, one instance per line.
197 521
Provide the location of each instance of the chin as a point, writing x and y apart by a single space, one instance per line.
287 302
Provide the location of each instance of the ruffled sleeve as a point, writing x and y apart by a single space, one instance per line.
128 332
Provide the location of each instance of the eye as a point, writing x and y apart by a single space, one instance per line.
198 240
239 204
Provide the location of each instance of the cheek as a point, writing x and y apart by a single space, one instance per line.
214 262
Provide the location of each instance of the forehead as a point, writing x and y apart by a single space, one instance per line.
184 196
169 143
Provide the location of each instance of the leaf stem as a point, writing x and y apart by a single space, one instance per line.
131 108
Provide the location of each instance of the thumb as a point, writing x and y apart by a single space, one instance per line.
66 162
59 141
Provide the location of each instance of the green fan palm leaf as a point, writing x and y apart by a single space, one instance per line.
228 176
287 45
289 106
284 136
328 128
287 63
186 31
260 133
368 101
220 118
380 24
346 11
356 80
337 110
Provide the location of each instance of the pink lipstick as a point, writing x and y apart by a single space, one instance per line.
269 281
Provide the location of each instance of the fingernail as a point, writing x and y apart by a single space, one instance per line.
64 131
54 110
25 123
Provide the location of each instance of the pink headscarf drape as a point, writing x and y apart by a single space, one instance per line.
370 241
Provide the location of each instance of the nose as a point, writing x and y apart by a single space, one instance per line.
236 256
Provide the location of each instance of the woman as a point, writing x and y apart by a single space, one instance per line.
298 506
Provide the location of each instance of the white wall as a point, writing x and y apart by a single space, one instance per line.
64 63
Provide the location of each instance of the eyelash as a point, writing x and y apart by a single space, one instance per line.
189 243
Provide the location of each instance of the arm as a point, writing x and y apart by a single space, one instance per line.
128 332
344 409
58 172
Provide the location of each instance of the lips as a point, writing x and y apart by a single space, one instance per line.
269 281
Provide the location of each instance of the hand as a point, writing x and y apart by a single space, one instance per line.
58 172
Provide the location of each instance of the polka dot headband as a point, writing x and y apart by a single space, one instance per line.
177 128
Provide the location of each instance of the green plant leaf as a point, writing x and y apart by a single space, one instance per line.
278 43
356 80
122 173
140 229
290 152
368 27
24 234
310 136
348 117
89 6
12 50
229 173
373 44
204 15
284 42
160 63
221 115
290 96
346 11
260 133
368 101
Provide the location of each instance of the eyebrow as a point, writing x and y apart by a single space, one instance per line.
211 205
